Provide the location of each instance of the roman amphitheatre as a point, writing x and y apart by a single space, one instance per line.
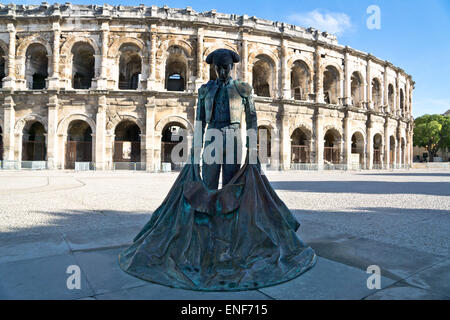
108 87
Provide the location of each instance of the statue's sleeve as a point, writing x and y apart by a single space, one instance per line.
200 123
250 112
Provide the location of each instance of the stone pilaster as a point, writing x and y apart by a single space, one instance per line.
411 150
368 85
394 151
10 80
386 90
151 81
151 159
285 143
397 96
100 134
347 141
52 138
347 81
8 128
199 78
244 59
407 106
319 139
53 80
369 144
387 143
318 75
102 80
285 85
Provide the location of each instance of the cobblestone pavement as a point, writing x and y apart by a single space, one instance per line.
399 220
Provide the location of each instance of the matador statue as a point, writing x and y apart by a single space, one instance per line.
239 237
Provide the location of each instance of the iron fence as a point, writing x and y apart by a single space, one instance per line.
84 166
133 166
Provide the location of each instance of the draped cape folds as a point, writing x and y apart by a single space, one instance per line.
239 237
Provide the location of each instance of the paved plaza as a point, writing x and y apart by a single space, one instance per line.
397 220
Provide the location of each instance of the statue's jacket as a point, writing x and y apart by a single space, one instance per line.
240 95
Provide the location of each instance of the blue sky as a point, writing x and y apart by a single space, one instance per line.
414 34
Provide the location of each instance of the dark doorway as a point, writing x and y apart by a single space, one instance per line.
331 152
171 136
127 144
79 143
299 148
33 142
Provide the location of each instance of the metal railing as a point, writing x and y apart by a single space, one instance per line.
304 166
133 166
26 165
9 165
84 166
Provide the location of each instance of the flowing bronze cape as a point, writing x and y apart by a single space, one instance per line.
240 237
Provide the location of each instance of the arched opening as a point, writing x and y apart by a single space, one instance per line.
33 142
299 81
2 67
263 76
331 152
36 66
171 136
176 69
402 102
127 142
391 96
79 143
130 65
299 147
358 147
1 144
331 85
83 65
356 89
376 94
391 151
264 138
377 147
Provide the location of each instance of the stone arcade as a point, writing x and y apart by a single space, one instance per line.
110 86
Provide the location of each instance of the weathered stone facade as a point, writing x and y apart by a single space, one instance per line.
104 65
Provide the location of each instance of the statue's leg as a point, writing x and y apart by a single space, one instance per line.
210 172
230 169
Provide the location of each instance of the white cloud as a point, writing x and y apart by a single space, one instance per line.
332 22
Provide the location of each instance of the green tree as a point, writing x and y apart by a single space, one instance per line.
432 132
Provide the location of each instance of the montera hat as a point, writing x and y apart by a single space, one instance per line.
222 57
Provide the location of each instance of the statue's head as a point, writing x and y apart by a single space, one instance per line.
223 60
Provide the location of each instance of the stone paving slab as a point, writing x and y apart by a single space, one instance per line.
402 291
436 278
41 278
108 237
327 280
31 246
101 267
158 292
395 262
